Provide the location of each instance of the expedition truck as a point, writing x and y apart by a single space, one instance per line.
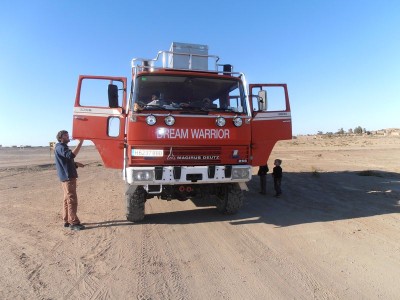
188 127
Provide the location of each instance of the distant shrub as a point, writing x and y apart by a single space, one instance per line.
358 130
340 131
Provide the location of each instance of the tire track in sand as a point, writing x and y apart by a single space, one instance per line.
159 275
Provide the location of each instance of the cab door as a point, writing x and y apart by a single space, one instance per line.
271 120
99 116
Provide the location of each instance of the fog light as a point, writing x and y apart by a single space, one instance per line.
151 120
220 121
143 175
237 122
240 173
169 120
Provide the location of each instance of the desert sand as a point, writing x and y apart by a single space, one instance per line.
334 233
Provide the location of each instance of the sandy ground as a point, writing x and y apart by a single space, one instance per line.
334 233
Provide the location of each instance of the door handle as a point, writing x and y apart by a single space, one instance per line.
80 118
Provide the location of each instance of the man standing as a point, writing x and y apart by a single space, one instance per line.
66 170
262 172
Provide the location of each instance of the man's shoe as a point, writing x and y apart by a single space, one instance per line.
66 225
77 227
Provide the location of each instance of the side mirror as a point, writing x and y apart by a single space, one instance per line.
262 100
112 95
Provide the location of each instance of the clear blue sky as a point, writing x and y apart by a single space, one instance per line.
340 59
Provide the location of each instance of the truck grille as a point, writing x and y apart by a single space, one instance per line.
194 156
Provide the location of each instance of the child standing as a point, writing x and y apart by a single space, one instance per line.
262 172
277 175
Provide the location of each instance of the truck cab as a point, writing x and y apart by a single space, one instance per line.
187 127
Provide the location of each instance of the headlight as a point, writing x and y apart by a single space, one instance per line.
143 175
151 120
220 121
237 122
240 173
169 120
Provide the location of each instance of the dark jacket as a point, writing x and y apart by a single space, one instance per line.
277 172
65 164
263 170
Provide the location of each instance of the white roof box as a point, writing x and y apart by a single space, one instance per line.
188 56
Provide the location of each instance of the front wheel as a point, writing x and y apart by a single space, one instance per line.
135 200
230 199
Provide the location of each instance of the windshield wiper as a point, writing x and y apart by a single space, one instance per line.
217 109
153 106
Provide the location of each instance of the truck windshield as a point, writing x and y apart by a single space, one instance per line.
189 93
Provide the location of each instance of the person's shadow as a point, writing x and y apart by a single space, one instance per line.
111 223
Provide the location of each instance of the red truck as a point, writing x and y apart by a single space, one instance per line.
187 127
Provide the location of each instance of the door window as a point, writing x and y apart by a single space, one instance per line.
274 98
113 126
94 92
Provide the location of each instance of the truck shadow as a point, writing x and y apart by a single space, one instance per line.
321 197
307 197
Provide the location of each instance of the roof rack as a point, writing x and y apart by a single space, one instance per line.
183 56
176 60
194 62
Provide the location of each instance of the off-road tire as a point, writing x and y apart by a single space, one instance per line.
135 202
229 199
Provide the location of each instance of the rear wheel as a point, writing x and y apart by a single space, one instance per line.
230 199
135 200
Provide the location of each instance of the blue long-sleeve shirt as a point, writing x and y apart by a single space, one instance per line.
65 164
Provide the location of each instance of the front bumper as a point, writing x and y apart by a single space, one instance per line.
170 175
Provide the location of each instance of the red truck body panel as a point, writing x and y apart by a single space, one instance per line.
192 134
